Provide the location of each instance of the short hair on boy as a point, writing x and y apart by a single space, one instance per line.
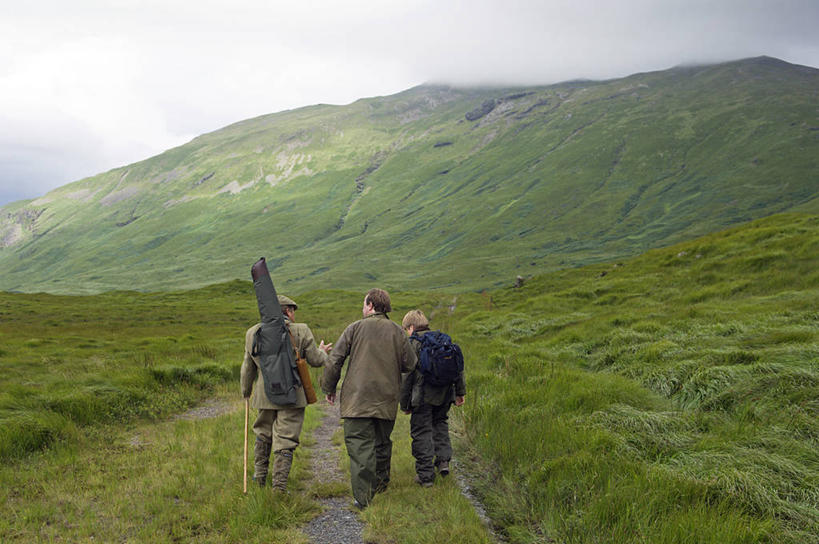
415 319
380 300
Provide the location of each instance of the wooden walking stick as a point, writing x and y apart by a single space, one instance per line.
247 409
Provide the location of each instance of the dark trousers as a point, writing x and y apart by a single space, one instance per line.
429 429
370 449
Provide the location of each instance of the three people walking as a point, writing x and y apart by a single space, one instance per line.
381 359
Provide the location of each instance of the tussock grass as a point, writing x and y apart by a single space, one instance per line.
109 359
90 451
171 481
410 514
675 400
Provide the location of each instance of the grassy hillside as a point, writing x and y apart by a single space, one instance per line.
666 398
436 187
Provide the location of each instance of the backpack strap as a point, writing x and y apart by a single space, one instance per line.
255 348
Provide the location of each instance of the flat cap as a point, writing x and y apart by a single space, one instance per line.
286 301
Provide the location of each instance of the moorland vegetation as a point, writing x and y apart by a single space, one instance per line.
666 398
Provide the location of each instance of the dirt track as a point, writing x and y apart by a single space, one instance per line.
338 523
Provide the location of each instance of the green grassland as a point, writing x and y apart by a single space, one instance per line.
94 448
670 397
174 480
466 188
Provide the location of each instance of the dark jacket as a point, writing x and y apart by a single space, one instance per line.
414 392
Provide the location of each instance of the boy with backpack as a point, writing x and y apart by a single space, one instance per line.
427 393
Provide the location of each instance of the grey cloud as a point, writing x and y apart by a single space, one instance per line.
27 173
214 63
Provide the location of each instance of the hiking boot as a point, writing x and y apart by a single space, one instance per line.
261 454
282 461
422 483
443 468
357 505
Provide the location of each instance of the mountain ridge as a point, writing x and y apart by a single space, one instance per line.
436 186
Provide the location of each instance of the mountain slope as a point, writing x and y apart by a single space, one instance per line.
436 187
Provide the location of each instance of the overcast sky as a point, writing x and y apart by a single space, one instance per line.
86 86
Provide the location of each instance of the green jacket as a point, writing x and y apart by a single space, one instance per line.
379 352
251 378
414 392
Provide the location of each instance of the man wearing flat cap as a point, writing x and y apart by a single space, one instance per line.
277 428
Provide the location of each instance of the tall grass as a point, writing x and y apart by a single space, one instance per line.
178 480
70 362
97 458
671 399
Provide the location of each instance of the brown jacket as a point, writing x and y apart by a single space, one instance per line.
305 344
379 352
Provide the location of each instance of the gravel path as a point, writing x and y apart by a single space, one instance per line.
338 524
209 408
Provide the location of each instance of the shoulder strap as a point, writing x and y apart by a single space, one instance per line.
254 349
293 342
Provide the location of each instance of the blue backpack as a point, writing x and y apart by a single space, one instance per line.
441 360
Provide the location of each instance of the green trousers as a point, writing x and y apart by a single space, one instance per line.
370 449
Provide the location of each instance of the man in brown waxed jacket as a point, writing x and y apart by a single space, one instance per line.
378 352
277 428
